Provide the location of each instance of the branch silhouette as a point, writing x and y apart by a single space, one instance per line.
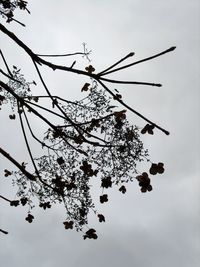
86 138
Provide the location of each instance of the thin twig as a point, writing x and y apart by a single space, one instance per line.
33 135
63 55
21 100
30 152
78 128
4 60
54 96
10 77
98 78
4 232
4 198
22 24
131 109
129 82
117 63
46 109
140 61
26 141
18 165
48 92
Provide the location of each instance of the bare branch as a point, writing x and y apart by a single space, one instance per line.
4 232
117 63
129 82
10 77
63 55
131 109
17 164
26 141
12 19
140 61
4 60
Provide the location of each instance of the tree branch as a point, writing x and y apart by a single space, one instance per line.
117 63
4 232
129 82
17 164
131 109
63 55
139 61
4 60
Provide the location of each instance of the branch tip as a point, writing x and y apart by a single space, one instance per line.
3 231
171 49
131 54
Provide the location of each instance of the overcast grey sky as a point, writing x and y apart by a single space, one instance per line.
160 228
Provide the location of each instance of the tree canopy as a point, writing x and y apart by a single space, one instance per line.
87 138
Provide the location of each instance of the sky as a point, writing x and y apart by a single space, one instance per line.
160 228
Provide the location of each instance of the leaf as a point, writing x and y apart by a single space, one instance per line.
130 135
90 69
71 186
156 168
60 161
104 198
29 218
106 182
68 225
36 98
122 189
24 200
2 98
91 234
117 96
82 212
78 139
12 117
6 4
87 169
153 169
144 182
149 188
148 128
160 168
85 87
14 203
45 205
7 173
120 114
101 218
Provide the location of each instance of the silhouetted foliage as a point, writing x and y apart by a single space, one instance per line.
92 139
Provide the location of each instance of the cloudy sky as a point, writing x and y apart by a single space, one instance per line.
160 228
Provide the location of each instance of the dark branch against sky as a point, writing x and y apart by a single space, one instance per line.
164 224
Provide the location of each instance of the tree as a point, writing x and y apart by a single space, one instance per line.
85 138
